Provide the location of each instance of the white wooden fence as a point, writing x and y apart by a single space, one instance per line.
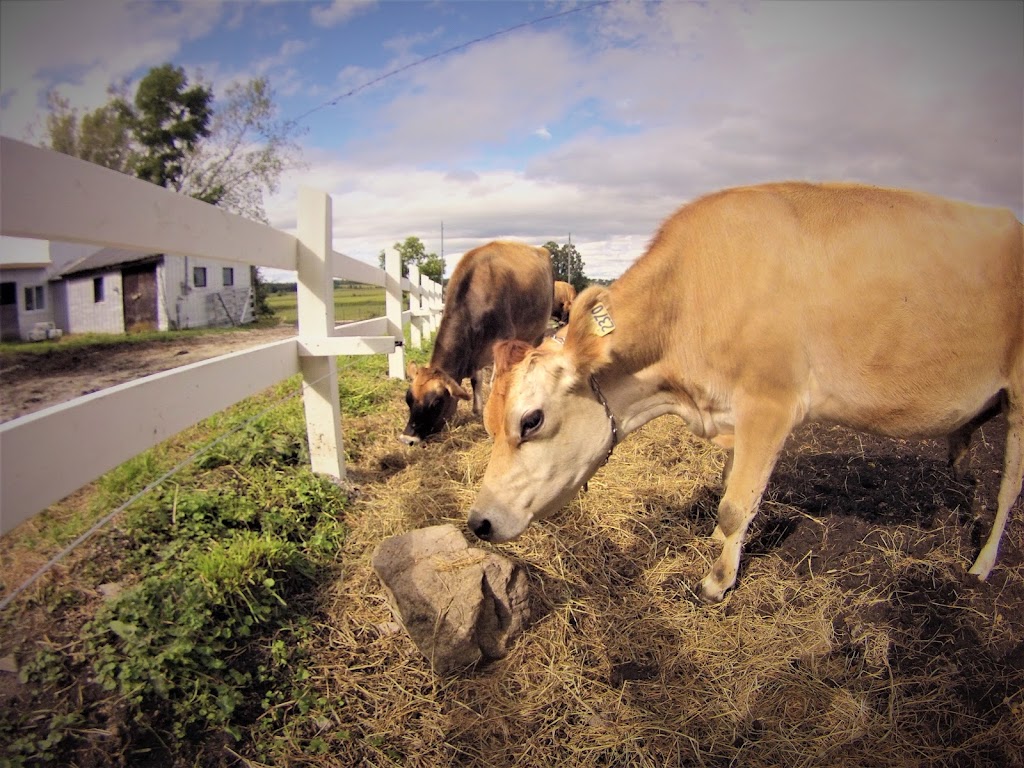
46 455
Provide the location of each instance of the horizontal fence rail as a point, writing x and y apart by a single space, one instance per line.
45 456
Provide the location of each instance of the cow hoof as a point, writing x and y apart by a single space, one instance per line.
710 594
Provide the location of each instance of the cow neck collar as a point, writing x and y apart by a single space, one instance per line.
611 418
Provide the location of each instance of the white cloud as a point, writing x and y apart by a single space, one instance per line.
683 100
543 133
485 96
338 12
81 48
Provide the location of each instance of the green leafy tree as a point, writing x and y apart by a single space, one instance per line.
168 119
567 264
412 251
102 136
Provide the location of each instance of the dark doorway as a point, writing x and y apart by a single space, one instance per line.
139 286
9 330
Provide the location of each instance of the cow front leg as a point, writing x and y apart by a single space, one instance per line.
478 394
759 440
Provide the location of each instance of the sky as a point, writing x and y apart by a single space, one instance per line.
589 120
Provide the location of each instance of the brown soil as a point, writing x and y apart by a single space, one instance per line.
33 381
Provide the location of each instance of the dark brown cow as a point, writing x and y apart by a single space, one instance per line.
565 294
501 290
755 310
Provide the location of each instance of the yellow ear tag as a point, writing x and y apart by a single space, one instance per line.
602 319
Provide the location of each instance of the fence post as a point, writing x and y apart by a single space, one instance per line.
416 303
393 311
435 305
315 298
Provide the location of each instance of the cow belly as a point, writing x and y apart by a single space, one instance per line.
924 402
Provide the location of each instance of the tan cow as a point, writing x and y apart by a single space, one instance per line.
755 310
565 294
501 290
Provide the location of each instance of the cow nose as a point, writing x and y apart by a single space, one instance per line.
409 439
482 529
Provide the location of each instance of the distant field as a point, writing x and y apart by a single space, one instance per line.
350 304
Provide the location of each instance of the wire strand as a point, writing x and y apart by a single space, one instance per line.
432 57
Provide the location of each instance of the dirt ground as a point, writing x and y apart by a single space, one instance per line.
33 381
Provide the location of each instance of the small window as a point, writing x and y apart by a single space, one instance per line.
97 290
34 298
199 277
229 276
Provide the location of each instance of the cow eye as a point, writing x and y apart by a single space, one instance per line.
530 423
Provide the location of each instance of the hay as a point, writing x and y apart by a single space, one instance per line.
621 666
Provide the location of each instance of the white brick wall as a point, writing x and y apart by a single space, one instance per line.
86 315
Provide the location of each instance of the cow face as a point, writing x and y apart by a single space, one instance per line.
550 435
432 398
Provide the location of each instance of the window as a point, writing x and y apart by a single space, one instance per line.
34 298
97 290
229 276
199 277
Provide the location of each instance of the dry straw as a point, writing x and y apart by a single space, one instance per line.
815 660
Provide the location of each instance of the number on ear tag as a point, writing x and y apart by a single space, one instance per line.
602 319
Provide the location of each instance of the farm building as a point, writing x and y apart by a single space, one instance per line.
80 289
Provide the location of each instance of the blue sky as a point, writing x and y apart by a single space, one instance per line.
597 123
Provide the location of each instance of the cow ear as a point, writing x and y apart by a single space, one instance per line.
591 324
454 388
411 370
507 353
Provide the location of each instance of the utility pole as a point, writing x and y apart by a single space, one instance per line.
568 260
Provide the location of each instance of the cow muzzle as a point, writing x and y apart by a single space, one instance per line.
409 438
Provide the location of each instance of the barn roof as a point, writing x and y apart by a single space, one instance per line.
106 260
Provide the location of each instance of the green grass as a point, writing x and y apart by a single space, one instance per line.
219 566
350 304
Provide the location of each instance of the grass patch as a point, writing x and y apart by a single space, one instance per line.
351 303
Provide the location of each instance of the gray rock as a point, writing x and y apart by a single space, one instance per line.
460 605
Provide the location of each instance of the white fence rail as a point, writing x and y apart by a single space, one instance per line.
44 456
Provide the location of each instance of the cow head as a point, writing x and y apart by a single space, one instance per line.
551 428
432 398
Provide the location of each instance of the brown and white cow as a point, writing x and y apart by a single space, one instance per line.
565 294
759 308
501 290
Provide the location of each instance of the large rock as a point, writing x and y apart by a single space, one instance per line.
460 605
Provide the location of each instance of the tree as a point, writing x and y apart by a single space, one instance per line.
245 153
567 264
170 134
412 251
102 136
167 120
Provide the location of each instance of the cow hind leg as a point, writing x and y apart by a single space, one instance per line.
759 440
960 440
1009 487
